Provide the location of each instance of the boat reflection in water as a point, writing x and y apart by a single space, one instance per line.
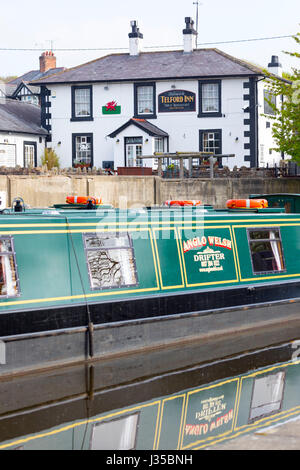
108 405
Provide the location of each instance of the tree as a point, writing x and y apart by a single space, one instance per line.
286 126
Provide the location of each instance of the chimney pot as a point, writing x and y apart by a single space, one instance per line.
47 61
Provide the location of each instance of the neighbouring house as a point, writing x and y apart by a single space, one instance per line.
22 139
113 110
21 90
6 90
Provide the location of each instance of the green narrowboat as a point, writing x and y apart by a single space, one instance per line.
84 284
289 201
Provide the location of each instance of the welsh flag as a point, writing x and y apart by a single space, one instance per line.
111 108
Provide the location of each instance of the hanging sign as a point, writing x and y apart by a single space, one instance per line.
176 100
111 108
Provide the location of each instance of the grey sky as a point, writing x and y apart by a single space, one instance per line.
104 24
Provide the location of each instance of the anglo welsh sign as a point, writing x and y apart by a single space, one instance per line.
176 100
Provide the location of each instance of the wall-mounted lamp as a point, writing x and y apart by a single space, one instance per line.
106 87
146 140
59 143
118 140
236 139
173 86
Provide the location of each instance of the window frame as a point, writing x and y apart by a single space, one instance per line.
136 109
73 103
82 134
34 145
252 419
137 414
264 229
13 254
107 248
204 131
202 114
267 108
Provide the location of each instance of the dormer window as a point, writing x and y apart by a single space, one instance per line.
82 103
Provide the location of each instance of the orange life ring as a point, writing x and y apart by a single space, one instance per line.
183 203
247 203
82 200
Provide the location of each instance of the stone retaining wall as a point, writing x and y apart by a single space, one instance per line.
135 191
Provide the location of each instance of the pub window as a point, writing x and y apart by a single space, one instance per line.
210 98
211 141
145 100
82 149
269 99
82 103
267 395
30 154
119 434
110 258
266 250
9 284
158 144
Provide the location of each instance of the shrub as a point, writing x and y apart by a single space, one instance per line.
50 159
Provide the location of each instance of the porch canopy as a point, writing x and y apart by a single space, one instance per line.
181 156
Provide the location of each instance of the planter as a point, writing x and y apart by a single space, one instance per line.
134 171
82 165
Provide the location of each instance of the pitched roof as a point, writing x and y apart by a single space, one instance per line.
7 89
142 124
155 66
19 117
35 75
34 90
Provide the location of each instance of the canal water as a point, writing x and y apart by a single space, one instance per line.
166 399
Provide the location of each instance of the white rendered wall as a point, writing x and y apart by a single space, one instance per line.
267 156
182 127
18 140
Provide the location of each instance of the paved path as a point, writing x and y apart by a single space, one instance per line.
281 437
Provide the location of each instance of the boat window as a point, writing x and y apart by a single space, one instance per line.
266 250
267 395
8 272
119 434
110 258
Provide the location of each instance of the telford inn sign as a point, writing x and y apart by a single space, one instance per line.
176 100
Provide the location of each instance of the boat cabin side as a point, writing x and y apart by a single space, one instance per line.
59 259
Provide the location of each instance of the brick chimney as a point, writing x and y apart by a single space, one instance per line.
47 61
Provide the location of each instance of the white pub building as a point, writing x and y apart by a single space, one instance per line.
110 111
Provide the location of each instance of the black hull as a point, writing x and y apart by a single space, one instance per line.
151 307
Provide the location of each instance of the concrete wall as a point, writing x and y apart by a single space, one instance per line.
136 191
